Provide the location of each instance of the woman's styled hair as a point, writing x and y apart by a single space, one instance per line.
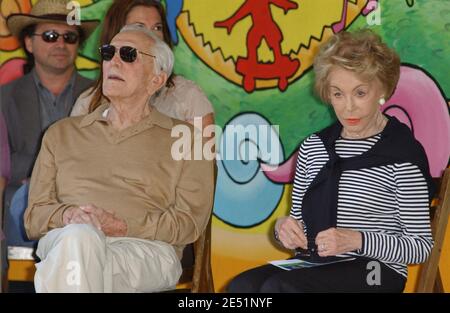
115 19
361 52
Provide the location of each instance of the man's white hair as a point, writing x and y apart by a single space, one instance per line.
164 58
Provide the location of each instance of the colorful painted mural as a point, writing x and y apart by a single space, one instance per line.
253 59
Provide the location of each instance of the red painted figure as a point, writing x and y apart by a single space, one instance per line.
264 27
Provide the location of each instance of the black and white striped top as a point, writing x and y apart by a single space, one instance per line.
387 204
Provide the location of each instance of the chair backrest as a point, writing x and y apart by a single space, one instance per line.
196 259
202 279
196 264
429 276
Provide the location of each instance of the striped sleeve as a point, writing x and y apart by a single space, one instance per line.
312 156
413 243
299 187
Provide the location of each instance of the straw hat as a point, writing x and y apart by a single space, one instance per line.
47 11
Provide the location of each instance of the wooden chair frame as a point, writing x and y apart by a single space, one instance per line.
200 273
429 277
198 270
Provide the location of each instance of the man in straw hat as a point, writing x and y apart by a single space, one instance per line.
48 91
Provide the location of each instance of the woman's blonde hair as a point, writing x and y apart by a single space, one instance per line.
361 52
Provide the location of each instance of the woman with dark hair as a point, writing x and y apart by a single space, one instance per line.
181 98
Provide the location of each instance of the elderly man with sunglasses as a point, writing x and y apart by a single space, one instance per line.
45 94
111 204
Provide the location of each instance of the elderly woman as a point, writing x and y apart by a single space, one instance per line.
112 208
360 201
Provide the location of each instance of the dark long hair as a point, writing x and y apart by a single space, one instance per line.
27 32
114 20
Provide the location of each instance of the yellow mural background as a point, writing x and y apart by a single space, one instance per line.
220 51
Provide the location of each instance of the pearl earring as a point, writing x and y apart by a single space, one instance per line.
381 101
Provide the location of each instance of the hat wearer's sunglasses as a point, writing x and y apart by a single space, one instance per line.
52 36
127 54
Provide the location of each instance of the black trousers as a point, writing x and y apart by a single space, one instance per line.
350 276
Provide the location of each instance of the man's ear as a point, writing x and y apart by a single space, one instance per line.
158 81
28 44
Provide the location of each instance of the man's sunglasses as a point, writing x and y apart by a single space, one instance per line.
52 36
127 54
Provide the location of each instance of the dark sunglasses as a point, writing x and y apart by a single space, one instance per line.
127 54
52 36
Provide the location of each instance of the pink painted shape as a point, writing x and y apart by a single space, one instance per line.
11 70
283 173
337 27
421 98
371 5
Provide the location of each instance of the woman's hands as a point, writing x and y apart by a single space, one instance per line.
290 233
334 241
